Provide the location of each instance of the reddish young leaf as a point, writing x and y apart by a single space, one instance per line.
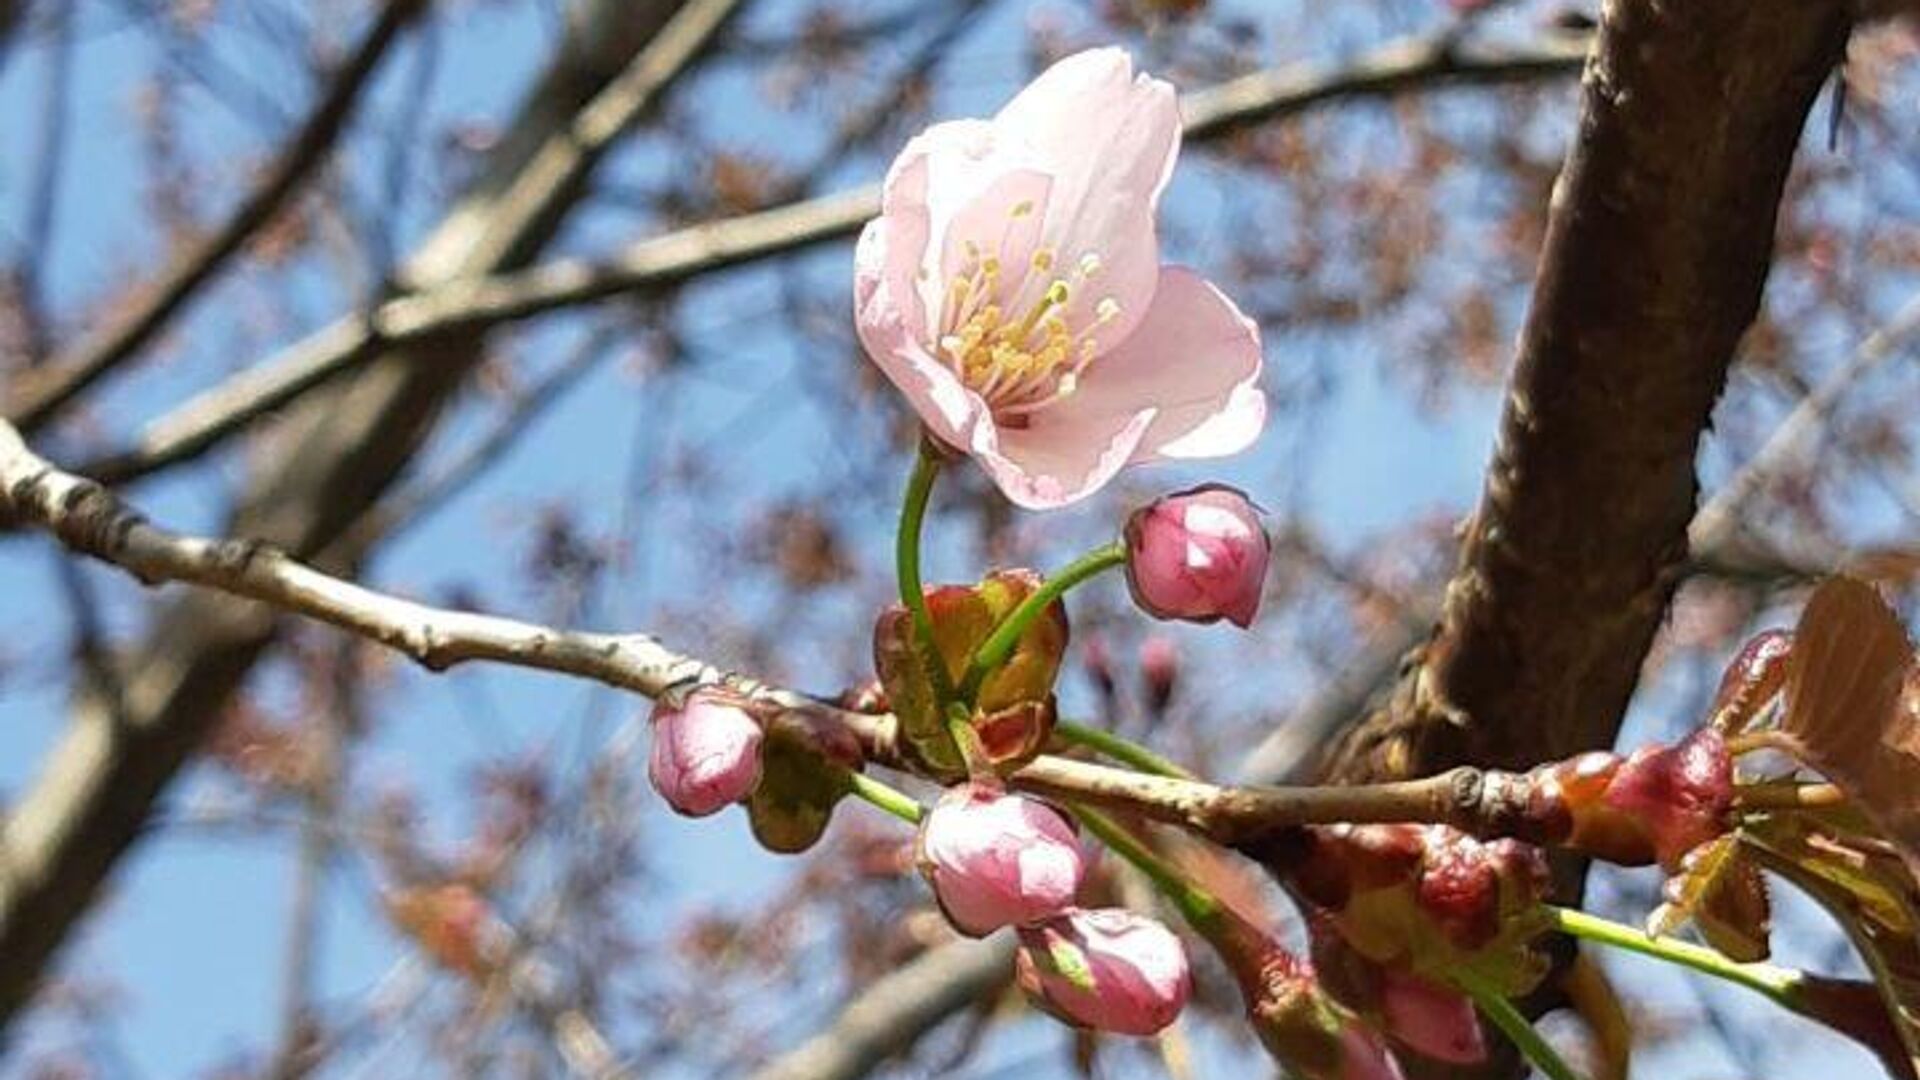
1721 891
1846 711
1872 896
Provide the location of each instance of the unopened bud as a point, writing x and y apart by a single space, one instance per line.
1097 659
1159 672
1107 969
1653 806
1198 556
997 860
706 752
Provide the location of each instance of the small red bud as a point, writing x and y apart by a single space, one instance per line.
1159 672
1681 793
1460 889
1756 674
1097 659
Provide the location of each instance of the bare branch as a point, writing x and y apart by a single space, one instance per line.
896 1010
669 260
43 393
344 449
1718 522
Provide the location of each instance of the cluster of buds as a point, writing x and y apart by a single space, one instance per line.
998 860
1430 900
1652 806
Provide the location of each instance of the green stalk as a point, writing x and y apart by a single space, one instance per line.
1000 644
1125 751
906 564
1198 906
891 799
1778 984
1517 1028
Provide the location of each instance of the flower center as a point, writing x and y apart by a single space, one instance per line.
1019 357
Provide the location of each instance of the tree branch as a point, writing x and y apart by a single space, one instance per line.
343 449
1658 244
890 1015
91 520
1659 239
42 393
657 263
1260 820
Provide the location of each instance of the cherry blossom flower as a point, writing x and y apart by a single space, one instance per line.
1012 289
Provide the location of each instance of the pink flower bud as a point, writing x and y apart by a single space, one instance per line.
706 753
1098 662
997 860
1198 555
1159 671
1431 1019
1365 1056
1110 970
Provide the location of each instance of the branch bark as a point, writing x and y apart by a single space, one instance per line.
1658 244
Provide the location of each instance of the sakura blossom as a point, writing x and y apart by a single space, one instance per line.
1012 289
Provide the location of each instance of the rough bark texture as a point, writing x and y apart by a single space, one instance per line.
1658 244
1659 239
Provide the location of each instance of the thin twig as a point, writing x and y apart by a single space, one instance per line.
40 398
668 260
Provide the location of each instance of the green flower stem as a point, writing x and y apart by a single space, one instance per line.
1778 984
891 799
1517 1028
1125 751
1000 644
906 563
1198 906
